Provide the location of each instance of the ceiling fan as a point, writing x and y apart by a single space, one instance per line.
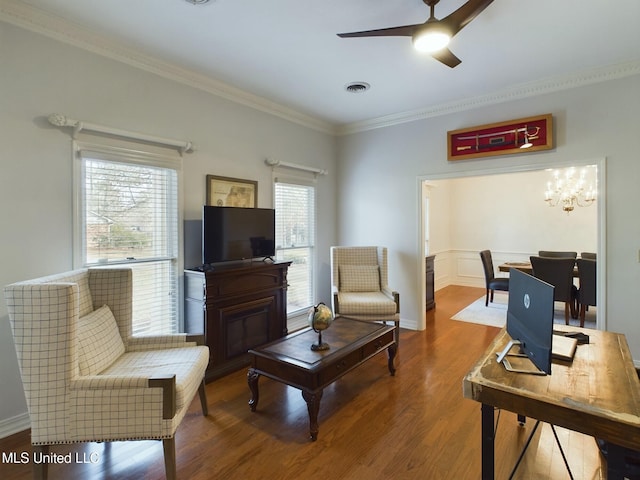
433 35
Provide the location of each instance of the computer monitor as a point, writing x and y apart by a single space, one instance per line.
530 319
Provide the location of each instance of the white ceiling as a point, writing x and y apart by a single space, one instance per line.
285 53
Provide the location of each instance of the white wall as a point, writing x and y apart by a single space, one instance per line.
379 173
440 215
507 212
41 76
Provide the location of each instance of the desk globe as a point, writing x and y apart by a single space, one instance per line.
320 317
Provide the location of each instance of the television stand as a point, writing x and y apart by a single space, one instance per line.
237 307
203 268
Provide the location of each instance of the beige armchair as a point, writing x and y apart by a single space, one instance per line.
359 286
86 378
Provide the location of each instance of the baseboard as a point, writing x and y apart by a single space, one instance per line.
9 426
409 324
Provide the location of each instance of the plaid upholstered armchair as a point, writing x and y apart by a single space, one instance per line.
359 286
86 378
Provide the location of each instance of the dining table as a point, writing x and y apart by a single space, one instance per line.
524 267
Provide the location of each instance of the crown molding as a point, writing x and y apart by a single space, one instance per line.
44 23
39 21
517 92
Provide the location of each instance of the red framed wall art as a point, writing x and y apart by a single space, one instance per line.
523 135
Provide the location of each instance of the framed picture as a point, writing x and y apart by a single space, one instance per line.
231 192
523 135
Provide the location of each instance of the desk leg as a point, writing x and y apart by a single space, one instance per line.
488 436
615 462
313 406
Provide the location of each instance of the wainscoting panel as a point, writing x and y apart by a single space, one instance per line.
464 267
442 269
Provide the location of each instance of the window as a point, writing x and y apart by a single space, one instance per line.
295 240
127 214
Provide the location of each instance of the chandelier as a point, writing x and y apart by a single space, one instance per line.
570 187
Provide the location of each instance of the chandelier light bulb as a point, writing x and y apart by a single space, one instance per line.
568 189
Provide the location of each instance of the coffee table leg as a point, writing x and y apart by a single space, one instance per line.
313 406
252 380
391 351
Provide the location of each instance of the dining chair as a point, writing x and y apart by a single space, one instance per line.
587 290
491 281
588 255
559 273
557 254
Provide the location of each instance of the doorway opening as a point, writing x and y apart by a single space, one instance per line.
504 210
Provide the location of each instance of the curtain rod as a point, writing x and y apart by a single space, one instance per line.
60 120
277 163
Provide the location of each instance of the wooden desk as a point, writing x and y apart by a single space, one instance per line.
597 394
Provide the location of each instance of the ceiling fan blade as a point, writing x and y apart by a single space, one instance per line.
403 31
447 57
459 19
454 22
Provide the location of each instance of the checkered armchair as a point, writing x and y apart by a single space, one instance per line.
359 285
86 378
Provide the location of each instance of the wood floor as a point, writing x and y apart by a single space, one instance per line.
415 425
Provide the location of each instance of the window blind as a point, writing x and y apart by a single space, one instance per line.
295 239
128 213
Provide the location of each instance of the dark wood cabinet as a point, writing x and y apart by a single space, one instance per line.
237 307
431 301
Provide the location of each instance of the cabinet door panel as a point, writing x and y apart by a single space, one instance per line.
247 325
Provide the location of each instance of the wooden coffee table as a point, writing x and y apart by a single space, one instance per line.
290 359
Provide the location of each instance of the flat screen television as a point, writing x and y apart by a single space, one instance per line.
530 319
234 233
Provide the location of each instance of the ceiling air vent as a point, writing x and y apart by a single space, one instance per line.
357 87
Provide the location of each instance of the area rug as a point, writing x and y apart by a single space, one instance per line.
495 315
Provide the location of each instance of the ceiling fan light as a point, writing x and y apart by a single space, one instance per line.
431 41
